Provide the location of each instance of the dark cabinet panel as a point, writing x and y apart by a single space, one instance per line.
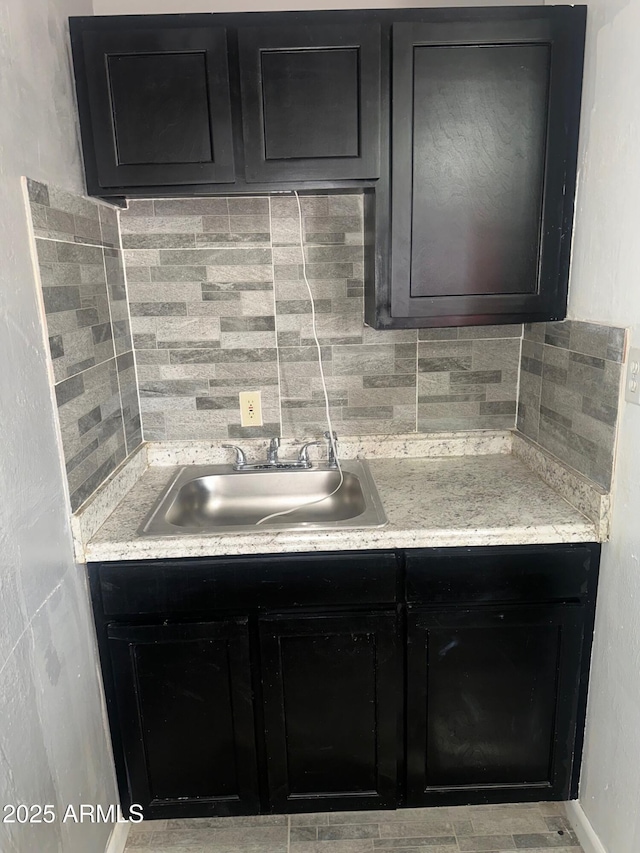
186 716
484 144
491 702
159 105
310 102
331 701
381 679
478 160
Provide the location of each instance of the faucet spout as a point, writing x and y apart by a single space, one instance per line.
272 452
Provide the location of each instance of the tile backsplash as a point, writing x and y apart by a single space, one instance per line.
219 305
215 302
569 393
85 304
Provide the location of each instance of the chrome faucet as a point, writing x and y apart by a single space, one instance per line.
273 462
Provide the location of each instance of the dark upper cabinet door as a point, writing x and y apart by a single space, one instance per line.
186 717
157 106
491 703
484 138
331 705
310 102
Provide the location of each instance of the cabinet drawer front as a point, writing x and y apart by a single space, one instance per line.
481 575
195 586
310 102
331 689
160 105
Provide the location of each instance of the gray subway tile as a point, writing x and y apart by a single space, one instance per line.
303 833
61 299
88 421
557 335
69 389
488 843
552 415
56 346
475 377
267 430
393 380
203 403
214 257
480 332
176 273
346 831
248 206
357 412
433 365
158 309
543 840
190 207
247 324
81 494
589 360
158 241
600 411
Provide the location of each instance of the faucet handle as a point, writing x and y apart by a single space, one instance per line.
241 458
274 444
332 448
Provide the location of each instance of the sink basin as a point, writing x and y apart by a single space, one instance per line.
217 499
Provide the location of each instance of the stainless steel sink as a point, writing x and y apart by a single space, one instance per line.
217 499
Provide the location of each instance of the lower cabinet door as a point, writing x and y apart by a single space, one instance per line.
186 717
331 704
491 703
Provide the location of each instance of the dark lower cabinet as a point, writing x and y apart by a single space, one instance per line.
331 705
347 680
491 703
186 717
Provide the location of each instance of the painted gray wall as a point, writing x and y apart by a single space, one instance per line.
53 744
605 288
159 7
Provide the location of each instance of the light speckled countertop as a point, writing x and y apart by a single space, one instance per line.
433 502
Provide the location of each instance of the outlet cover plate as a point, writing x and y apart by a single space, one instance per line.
250 408
632 379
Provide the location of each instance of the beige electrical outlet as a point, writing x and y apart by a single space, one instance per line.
250 408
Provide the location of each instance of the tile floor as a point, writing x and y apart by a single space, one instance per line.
520 828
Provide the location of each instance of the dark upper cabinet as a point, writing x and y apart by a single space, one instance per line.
492 695
310 102
186 717
484 133
155 106
331 703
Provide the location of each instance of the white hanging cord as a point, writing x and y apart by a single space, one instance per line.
322 377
